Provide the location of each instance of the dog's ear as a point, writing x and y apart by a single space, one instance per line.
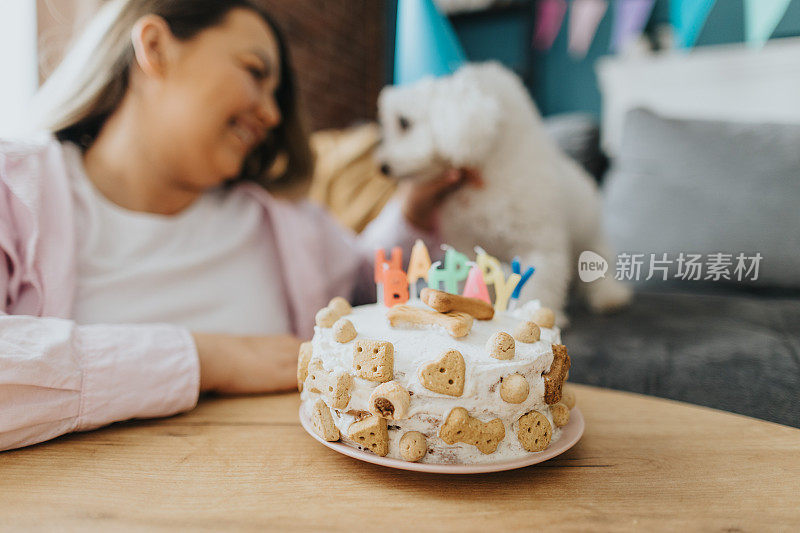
464 121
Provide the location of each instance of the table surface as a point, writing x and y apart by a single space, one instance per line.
246 463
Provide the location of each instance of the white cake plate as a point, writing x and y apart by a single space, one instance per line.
570 434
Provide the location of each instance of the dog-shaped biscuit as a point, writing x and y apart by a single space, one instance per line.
461 427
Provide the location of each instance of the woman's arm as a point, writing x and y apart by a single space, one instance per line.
247 365
57 377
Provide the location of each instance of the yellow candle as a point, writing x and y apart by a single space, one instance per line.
490 266
419 263
503 289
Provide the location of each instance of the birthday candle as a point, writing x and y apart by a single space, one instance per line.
395 287
418 264
454 270
515 268
475 286
489 265
503 288
435 275
395 262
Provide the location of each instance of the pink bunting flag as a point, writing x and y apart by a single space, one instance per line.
549 16
630 18
584 17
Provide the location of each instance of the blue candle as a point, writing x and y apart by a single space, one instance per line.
516 269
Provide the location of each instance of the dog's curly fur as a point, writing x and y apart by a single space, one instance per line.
536 203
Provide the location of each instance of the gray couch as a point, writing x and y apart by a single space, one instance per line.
738 352
701 187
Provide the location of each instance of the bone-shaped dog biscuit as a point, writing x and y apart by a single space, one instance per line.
322 421
446 375
335 387
445 302
554 378
461 427
374 360
371 433
455 323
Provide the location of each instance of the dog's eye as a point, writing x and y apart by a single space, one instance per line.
404 123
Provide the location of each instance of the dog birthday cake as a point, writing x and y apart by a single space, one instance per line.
443 378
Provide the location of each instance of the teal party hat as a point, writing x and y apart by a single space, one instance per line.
426 43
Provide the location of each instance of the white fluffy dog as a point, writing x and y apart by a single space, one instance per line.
535 203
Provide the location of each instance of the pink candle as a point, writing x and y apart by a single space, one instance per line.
475 286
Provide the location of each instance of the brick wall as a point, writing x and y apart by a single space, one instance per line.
337 48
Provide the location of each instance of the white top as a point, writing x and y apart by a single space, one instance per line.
210 268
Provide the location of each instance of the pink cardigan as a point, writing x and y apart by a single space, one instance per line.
57 376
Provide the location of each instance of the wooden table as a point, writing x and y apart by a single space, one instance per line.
246 463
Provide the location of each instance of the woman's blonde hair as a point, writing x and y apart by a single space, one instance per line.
91 81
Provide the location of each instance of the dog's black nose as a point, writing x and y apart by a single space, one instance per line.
386 170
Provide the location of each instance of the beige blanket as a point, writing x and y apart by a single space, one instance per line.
346 177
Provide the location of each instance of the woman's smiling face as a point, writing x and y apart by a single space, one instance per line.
216 101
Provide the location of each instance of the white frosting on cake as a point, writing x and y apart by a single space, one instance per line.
481 396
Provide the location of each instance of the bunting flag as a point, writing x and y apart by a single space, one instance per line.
630 18
549 16
584 17
688 18
761 17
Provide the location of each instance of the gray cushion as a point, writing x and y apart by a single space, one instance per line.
732 351
708 187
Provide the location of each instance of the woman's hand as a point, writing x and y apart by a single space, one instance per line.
230 364
421 199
